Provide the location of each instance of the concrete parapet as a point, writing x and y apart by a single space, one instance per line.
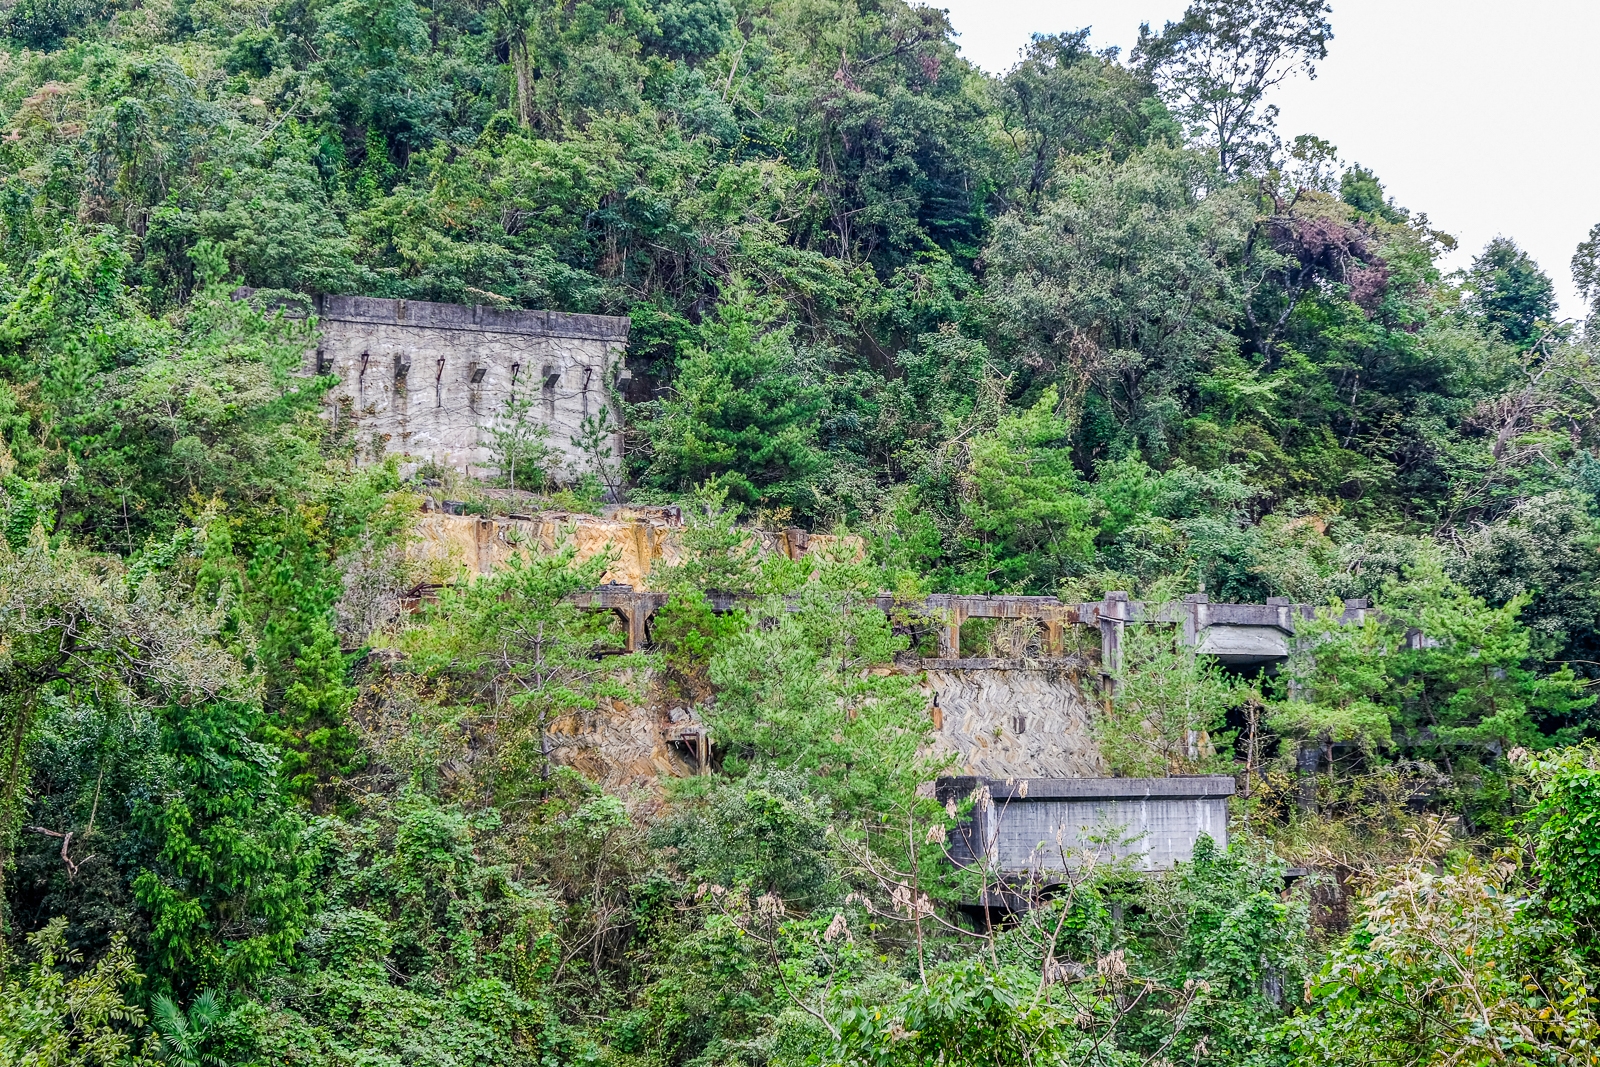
427 315
1046 827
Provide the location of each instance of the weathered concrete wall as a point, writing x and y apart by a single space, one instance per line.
637 539
428 381
1019 720
444 544
1050 825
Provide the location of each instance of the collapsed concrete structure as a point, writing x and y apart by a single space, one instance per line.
432 383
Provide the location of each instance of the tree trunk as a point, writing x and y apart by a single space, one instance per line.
523 66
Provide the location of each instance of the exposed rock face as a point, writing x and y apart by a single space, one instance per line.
638 539
622 744
1019 720
430 381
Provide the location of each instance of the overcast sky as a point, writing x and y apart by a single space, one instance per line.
1481 113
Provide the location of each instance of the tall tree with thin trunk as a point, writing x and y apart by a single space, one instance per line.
1217 63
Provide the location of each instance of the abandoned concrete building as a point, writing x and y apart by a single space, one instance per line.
431 383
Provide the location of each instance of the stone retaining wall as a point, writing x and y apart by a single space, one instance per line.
1013 720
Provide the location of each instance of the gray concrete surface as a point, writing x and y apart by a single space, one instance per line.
1047 826
429 382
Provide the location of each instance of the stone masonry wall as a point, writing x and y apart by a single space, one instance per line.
1019 721
429 381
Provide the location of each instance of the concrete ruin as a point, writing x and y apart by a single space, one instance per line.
1236 634
1026 713
1044 828
447 547
431 382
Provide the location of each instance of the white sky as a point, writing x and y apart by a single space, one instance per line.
1481 113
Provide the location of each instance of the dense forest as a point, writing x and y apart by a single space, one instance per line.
1095 324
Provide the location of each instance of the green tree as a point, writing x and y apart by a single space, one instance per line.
804 690
744 411
968 1013
1361 189
1586 266
1342 687
1028 510
291 591
516 654
1120 290
1220 60
1167 706
1432 668
761 833
517 439
1065 100
1564 828
1510 294
1454 963
1543 549
72 623
225 882
184 1033
49 1018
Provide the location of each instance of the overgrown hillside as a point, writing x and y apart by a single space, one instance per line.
1092 325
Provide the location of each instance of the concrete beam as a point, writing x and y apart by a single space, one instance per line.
1234 633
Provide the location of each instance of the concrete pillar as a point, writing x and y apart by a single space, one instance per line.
638 617
794 542
950 631
1054 634
1285 612
1113 619
485 544
1307 762
1196 617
